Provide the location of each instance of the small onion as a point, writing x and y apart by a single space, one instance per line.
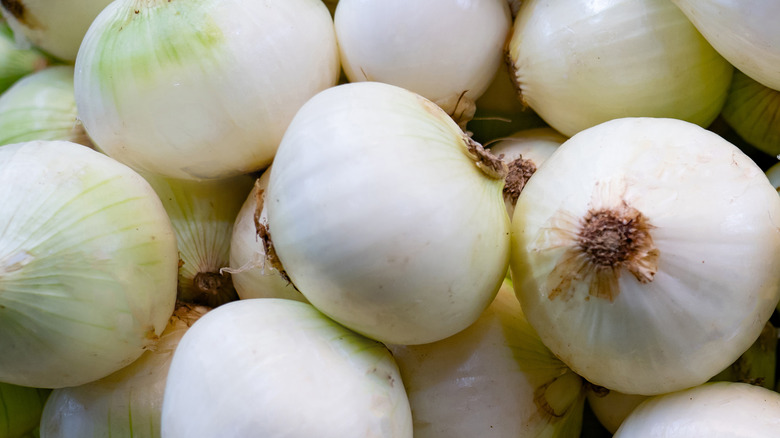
712 410
493 379
202 214
386 216
578 64
753 111
41 106
612 407
57 27
645 253
253 276
201 89
126 403
743 31
270 367
20 409
87 264
16 62
445 50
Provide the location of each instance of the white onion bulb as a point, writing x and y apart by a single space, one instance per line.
201 89
753 111
493 379
578 64
713 410
445 50
17 62
88 264
57 27
125 403
253 276
743 31
386 216
42 106
645 253
274 368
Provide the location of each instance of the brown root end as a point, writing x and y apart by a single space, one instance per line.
213 289
492 165
519 171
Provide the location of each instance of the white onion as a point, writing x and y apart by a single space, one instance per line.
713 410
743 31
445 50
645 253
202 214
57 27
41 106
125 403
88 264
493 379
201 89
386 216
16 62
253 276
578 64
274 368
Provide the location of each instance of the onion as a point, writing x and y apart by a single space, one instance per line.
55 26
744 32
87 265
524 151
41 106
202 214
493 379
753 111
386 216
20 409
201 89
583 63
253 276
126 403
16 62
636 278
272 367
612 407
445 50
716 410
773 173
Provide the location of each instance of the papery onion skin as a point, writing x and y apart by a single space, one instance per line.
742 31
584 63
88 264
493 379
382 217
253 275
125 403
717 410
712 260
445 50
42 106
54 26
274 367
201 89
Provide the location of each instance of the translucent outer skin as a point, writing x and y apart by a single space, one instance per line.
745 32
201 89
445 50
88 264
583 63
716 410
277 368
715 219
491 381
381 217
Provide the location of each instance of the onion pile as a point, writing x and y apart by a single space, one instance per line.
374 218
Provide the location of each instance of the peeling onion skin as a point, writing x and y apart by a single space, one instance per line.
278 368
584 63
201 89
88 264
686 302
383 218
716 410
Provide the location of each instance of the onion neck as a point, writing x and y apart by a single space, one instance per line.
490 164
